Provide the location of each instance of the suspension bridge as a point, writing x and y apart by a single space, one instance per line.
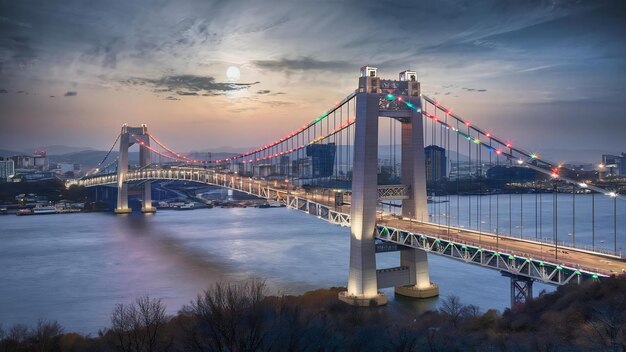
406 174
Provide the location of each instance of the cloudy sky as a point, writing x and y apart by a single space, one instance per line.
547 74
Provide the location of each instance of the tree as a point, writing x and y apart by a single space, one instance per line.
452 308
140 326
229 317
45 335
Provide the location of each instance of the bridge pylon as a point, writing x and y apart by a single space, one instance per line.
399 100
128 137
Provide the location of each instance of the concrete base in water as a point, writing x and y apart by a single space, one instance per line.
414 292
361 301
123 211
148 210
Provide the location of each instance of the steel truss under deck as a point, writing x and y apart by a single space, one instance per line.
508 263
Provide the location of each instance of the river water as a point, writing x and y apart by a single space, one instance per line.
75 267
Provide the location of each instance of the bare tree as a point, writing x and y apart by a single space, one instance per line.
45 334
18 333
452 308
140 326
230 317
608 327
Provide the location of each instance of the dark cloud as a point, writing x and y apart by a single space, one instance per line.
190 85
70 94
277 103
52 96
263 91
474 89
3 91
171 98
303 64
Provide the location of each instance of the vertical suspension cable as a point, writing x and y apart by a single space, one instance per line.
574 214
615 222
593 220
510 201
458 175
555 235
521 216
498 208
447 177
469 201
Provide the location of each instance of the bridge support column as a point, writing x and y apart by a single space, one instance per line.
521 289
414 168
417 262
146 192
122 170
362 279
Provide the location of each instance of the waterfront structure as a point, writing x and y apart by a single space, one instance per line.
414 232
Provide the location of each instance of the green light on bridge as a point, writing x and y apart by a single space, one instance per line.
594 276
390 97
320 118
558 267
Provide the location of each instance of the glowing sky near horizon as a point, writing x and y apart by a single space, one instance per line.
549 75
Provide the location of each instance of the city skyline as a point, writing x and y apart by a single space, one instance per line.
205 73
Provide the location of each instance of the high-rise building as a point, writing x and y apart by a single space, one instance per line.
436 163
322 159
7 169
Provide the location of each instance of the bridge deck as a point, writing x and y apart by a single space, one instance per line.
532 251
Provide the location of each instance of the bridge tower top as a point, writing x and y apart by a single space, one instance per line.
406 85
141 130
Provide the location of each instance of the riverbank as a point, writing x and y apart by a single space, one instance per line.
242 317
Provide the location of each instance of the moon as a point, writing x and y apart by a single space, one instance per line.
233 73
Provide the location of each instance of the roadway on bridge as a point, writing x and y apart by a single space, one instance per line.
568 256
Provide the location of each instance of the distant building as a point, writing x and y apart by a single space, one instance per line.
7 169
613 165
436 163
322 159
37 161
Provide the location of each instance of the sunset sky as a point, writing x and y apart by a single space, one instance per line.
550 75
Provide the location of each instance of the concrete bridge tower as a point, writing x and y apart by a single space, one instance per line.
399 100
128 137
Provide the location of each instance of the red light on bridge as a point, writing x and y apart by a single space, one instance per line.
498 151
509 145
467 124
488 134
